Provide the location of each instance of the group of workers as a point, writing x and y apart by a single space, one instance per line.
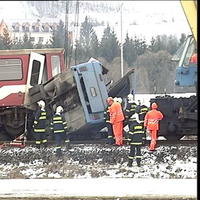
57 126
138 118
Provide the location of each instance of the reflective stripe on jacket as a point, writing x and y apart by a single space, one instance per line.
58 124
40 121
152 118
136 133
130 110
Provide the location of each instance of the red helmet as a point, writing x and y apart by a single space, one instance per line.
154 106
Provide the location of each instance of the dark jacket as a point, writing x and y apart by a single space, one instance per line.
136 133
58 124
40 119
141 110
129 111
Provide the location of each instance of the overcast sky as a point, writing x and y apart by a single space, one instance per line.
151 17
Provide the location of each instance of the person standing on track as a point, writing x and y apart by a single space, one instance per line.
39 124
59 129
130 109
116 119
141 110
135 138
151 122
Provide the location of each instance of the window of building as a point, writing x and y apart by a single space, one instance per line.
32 39
27 29
37 29
10 69
41 39
55 61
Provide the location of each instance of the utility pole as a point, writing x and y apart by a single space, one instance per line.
66 32
122 67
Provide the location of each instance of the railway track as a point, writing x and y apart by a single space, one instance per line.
103 142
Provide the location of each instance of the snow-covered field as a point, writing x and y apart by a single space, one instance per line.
94 161
98 171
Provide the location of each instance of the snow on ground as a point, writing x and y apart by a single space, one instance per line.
171 189
95 161
87 170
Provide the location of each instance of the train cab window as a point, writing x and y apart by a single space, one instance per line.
35 73
93 92
55 61
190 51
10 69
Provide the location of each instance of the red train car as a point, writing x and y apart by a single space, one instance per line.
19 71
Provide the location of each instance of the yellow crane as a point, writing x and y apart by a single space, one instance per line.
190 9
186 71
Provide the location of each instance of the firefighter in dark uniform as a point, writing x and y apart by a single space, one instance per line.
59 129
141 110
128 112
130 108
136 138
39 125
108 125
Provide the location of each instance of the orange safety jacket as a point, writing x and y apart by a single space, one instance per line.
194 59
152 118
116 113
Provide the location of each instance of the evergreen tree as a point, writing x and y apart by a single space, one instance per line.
182 39
86 34
79 54
139 45
27 43
109 45
17 44
58 37
172 44
130 53
7 42
94 47
1 43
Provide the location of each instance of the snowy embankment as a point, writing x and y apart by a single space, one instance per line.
99 170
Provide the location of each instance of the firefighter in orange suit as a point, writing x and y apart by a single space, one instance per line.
151 122
116 119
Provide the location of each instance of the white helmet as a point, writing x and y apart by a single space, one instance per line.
41 103
115 99
59 109
130 98
119 100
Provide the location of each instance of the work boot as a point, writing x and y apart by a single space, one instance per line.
67 146
130 162
58 153
138 162
45 145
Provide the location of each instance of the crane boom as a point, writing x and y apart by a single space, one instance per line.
190 10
